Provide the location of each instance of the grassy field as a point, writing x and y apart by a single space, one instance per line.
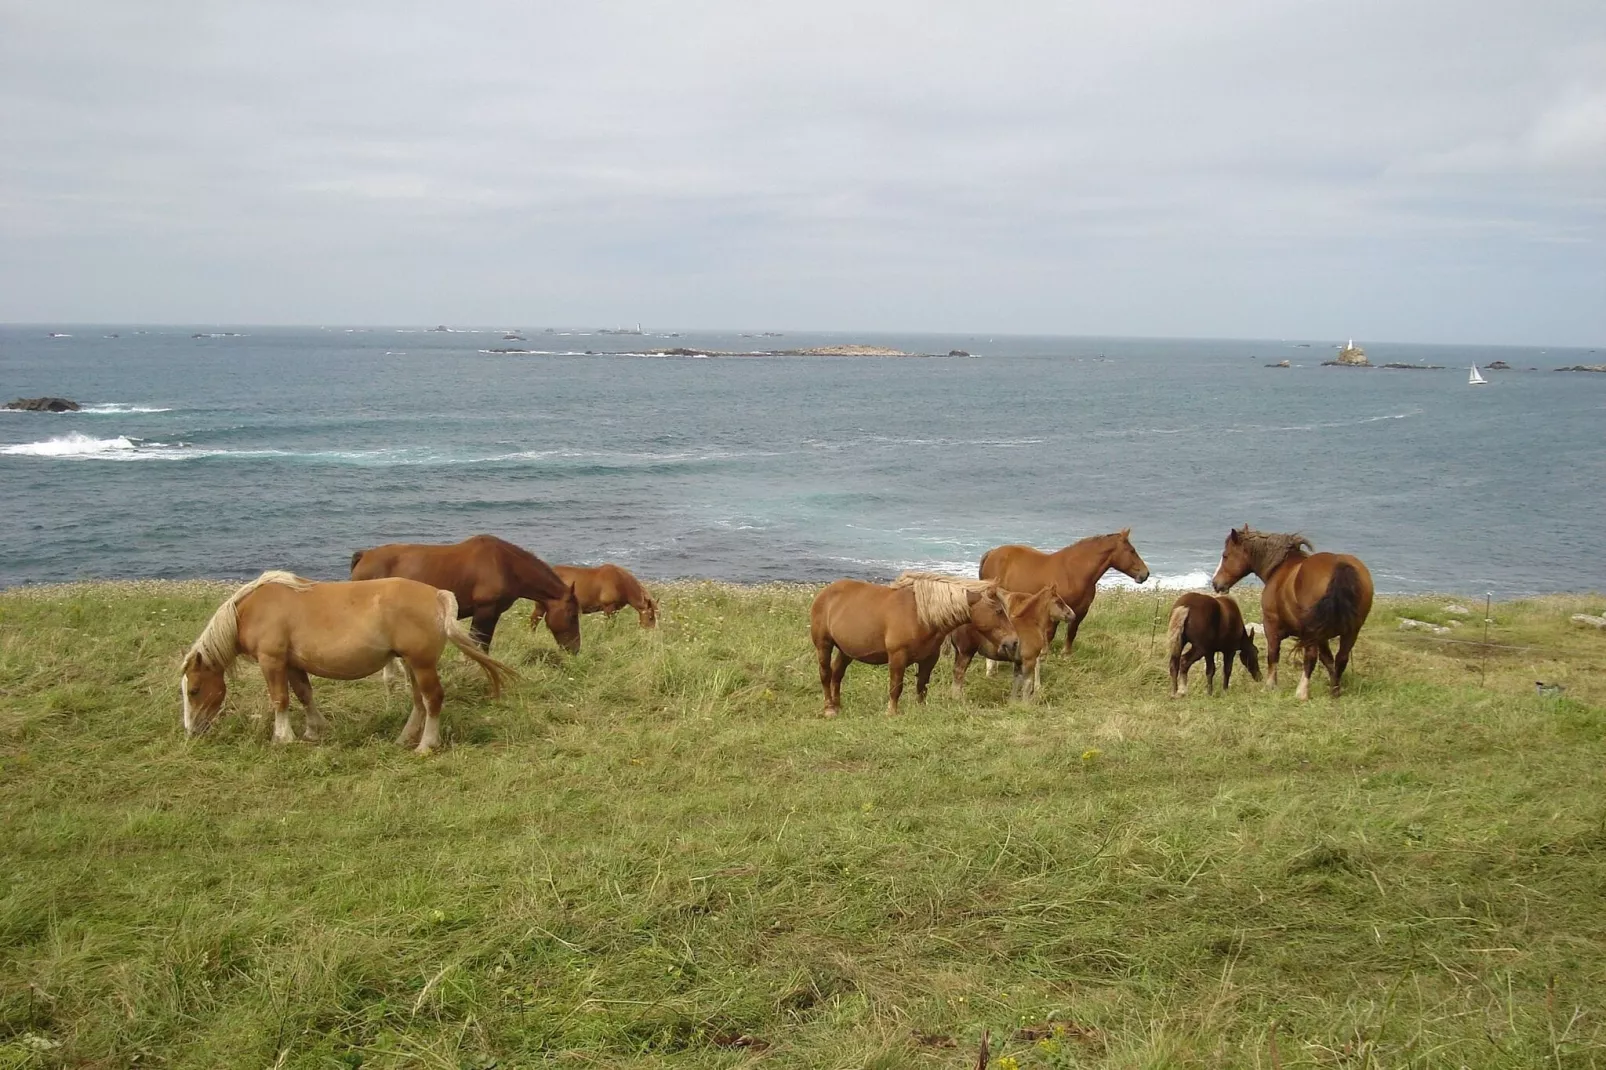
657 853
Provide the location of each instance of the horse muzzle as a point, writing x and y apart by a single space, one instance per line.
1009 649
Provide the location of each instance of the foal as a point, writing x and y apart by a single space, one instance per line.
1033 615
1209 626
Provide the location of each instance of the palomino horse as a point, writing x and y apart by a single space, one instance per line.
1310 598
1032 615
293 628
488 575
1207 626
605 589
1074 572
903 622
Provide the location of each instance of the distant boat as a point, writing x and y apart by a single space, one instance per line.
1475 379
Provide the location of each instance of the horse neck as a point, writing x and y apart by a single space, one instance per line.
1293 557
534 579
1100 551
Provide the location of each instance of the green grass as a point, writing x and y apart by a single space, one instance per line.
657 853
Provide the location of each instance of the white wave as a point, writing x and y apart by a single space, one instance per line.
1180 581
73 445
111 408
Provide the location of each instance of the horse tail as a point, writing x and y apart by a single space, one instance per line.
981 569
1174 631
1339 604
356 557
496 672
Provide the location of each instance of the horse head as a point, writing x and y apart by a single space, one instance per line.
649 616
1248 653
563 617
202 687
1125 558
990 616
1236 561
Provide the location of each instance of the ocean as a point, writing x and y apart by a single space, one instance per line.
223 451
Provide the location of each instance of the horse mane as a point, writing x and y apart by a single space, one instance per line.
942 601
1268 549
218 644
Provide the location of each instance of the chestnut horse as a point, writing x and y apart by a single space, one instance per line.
1074 572
1032 615
905 621
1310 598
1207 626
605 589
488 575
293 628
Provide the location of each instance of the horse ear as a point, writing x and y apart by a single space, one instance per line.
1233 534
1252 630
1126 532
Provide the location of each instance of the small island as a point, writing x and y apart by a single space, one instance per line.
43 405
1584 368
1351 356
816 351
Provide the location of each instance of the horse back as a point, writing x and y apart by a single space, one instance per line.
341 630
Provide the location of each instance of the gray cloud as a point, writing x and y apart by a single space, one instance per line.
1434 171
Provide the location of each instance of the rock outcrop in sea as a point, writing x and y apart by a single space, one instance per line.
1584 368
43 405
1351 356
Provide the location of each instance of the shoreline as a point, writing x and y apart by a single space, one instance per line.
199 584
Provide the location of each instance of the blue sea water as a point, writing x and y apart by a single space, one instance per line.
252 448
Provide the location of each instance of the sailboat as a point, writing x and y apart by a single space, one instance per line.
1475 379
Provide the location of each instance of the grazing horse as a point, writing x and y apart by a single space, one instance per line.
1032 615
488 575
1073 571
1310 598
293 628
605 589
905 621
1208 626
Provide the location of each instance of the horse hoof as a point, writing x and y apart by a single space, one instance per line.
830 712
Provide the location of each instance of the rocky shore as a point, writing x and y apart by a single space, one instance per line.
43 405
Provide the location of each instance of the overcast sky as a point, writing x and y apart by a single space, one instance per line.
1430 171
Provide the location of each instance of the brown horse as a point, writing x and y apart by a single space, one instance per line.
293 628
1032 615
488 575
1208 626
1073 571
1310 598
903 622
605 589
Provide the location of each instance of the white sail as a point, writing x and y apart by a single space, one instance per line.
1475 379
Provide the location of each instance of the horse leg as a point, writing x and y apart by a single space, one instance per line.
274 674
1303 691
1274 654
962 666
429 686
1329 664
897 661
1179 676
317 724
1186 663
415 720
923 671
1210 673
1226 670
822 651
484 625
1346 643
839 669
1071 628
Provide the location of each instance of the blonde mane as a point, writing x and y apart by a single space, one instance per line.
218 644
1267 549
942 601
